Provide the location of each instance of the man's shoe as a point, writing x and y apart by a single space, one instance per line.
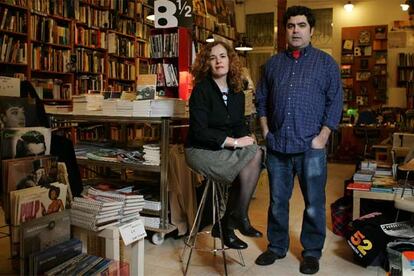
309 265
268 257
229 238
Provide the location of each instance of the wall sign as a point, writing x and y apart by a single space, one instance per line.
169 14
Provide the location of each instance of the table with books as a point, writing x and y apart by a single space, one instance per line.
371 181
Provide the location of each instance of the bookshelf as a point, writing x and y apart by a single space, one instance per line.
405 69
364 65
171 60
70 47
13 38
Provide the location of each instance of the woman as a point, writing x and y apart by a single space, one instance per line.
12 112
218 145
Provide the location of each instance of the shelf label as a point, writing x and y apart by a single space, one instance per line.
169 14
132 231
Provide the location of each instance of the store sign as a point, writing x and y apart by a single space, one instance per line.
169 14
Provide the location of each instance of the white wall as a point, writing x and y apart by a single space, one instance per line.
365 13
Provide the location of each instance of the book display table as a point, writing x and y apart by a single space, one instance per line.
112 240
357 195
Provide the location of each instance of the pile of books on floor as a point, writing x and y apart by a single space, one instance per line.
168 107
152 154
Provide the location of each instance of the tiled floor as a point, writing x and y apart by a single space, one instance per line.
336 259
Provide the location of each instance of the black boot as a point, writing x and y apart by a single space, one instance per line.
229 237
242 223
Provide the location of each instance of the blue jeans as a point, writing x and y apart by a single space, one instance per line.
310 167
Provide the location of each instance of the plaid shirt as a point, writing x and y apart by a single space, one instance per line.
299 97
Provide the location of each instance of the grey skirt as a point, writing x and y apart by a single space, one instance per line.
221 165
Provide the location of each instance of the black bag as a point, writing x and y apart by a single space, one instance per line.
367 240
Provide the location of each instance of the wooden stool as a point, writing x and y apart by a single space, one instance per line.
191 241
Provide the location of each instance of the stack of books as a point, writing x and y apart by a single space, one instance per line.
87 103
95 214
152 154
132 203
362 180
170 107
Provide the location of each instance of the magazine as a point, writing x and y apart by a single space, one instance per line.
27 172
400 229
25 141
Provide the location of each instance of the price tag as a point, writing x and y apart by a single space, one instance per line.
169 14
132 231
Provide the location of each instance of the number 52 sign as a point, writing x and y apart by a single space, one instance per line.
169 14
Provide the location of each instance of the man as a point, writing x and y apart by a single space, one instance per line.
299 103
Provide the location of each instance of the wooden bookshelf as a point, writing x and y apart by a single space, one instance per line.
364 65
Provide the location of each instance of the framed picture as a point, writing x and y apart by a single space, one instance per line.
380 33
347 46
363 75
346 70
367 51
363 64
347 59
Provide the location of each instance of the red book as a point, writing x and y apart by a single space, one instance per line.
359 186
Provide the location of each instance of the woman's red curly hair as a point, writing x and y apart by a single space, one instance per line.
201 66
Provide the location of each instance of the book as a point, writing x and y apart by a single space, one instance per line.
146 87
57 270
38 234
25 141
359 186
53 256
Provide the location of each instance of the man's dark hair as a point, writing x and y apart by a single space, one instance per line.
299 10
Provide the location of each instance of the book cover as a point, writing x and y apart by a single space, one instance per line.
25 141
359 186
34 202
38 234
27 172
55 255
17 112
146 87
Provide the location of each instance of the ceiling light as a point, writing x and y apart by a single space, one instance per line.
243 46
151 17
348 6
405 6
210 38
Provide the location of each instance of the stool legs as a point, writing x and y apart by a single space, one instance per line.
192 237
191 240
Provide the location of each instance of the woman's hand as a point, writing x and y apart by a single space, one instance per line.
245 141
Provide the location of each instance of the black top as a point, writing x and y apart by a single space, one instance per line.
211 121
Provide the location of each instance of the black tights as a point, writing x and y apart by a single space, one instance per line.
243 187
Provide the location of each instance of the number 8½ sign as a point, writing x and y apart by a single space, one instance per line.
170 14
